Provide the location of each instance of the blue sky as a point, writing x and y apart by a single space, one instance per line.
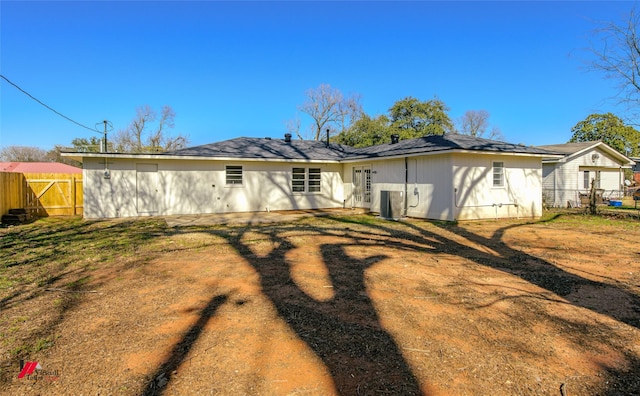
233 69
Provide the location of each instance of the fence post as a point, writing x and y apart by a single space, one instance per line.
73 194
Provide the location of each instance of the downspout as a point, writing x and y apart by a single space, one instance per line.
406 183
620 182
555 188
107 173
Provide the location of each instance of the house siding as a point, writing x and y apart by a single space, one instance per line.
428 185
561 183
429 189
348 185
460 186
385 176
199 187
549 180
611 180
477 198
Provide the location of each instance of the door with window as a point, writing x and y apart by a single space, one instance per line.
362 187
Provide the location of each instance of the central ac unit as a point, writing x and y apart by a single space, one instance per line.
391 204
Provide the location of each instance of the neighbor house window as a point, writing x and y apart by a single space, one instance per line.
586 180
306 180
234 175
498 174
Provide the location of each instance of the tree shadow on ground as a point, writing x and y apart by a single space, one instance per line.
546 275
345 331
157 382
532 269
361 356
558 281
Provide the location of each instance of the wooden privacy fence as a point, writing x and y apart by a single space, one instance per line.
12 191
41 194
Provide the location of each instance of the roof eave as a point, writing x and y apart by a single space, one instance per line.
447 151
624 160
348 159
80 156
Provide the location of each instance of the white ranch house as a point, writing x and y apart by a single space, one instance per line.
566 180
451 177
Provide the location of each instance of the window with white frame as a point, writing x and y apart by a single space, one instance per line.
298 179
233 175
306 180
315 178
498 174
586 181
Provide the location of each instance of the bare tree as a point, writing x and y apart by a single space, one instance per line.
616 50
328 109
54 155
23 154
495 134
35 154
137 138
167 117
476 123
293 126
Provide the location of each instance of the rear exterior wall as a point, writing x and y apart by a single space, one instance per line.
459 186
172 187
476 196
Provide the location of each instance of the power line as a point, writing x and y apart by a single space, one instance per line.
43 104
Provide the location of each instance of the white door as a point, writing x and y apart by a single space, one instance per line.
362 187
147 194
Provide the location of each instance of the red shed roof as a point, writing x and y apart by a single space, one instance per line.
38 167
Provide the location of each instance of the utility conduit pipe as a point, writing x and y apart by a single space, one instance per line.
494 205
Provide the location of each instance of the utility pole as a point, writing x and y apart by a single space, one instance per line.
104 142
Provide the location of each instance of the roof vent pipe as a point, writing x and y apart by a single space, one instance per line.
395 138
327 137
287 137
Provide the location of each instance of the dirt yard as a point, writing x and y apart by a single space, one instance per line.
322 306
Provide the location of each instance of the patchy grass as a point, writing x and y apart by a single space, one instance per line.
62 254
327 305
614 218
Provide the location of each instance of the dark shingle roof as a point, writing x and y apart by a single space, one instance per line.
436 143
569 148
257 148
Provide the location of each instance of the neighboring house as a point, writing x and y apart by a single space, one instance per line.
636 170
451 177
38 167
566 181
